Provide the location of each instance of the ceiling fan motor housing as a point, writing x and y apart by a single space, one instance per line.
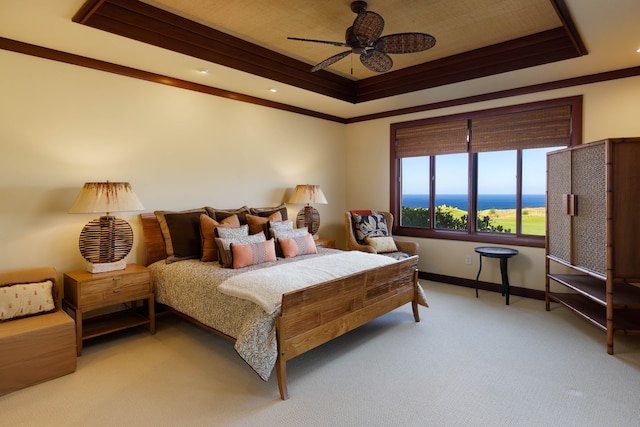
359 6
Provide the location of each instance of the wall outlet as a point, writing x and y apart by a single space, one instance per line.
467 260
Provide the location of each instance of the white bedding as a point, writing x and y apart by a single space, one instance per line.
265 287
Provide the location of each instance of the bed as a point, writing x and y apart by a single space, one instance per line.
267 336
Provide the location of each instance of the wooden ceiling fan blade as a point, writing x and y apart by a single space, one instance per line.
331 60
405 43
376 61
368 26
342 44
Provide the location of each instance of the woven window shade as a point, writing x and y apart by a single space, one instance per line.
548 127
431 140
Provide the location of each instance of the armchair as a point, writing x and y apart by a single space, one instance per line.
404 249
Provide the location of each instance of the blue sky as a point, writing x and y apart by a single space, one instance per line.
496 175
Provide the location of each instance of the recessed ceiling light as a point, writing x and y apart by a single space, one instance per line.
638 50
203 70
273 89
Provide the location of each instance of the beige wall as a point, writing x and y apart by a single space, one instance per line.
611 109
62 125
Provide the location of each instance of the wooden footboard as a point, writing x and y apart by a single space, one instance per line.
315 315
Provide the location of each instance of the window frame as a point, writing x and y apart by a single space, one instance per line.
575 103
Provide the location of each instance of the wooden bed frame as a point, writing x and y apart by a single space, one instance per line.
317 314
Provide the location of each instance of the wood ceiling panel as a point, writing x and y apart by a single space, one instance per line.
520 33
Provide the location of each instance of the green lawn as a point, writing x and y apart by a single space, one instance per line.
533 220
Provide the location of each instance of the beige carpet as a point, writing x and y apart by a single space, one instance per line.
470 362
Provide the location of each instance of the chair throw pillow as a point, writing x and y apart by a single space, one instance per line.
382 244
369 226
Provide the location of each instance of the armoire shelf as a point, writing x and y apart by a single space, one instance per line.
593 234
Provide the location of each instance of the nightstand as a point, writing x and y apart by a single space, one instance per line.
85 292
326 243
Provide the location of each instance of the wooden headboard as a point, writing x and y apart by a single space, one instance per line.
154 248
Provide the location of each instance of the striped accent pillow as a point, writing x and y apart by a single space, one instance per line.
296 246
253 253
225 256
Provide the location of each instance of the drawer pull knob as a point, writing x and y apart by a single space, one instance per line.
116 278
116 291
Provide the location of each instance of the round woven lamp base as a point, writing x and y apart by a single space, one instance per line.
309 218
107 239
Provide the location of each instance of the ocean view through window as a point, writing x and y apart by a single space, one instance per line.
485 201
479 176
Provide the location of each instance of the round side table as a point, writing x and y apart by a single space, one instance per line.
503 254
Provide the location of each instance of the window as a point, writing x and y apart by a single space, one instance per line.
480 176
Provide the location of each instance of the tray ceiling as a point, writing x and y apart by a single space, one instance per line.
474 38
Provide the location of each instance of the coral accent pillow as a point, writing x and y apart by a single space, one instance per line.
245 255
261 223
208 227
225 256
382 244
25 299
296 246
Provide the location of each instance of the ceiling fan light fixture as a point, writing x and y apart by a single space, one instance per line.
363 37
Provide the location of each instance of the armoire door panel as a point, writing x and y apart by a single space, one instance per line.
588 181
558 190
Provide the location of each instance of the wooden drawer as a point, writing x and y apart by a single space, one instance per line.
112 290
90 291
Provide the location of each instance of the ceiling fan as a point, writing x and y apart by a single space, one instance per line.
363 38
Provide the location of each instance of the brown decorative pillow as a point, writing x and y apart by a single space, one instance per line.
181 232
208 227
225 256
296 246
220 214
268 211
261 223
253 253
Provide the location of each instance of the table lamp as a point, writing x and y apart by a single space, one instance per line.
308 216
105 241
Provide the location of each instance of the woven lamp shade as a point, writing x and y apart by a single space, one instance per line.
308 216
106 239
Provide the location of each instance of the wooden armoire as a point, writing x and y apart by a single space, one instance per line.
593 233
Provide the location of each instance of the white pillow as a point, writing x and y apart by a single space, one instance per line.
277 226
25 299
289 234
